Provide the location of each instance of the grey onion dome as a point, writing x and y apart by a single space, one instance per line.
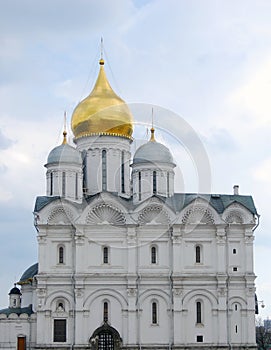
64 154
15 290
153 152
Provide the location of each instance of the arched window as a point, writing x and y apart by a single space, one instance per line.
198 312
153 255
105 312
154 315
154 183
51 184
198 254
61 255
105 255
122 173
139 185
63 184
104 171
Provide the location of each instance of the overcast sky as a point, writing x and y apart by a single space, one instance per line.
207 61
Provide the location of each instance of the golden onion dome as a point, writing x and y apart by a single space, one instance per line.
102 112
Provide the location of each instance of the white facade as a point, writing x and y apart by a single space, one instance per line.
164 271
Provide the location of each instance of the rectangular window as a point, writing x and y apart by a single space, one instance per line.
122 173
104 171
154 313
60 331
139 186
198 311
235 269
76 186
63 184
105 255
154 183
51 184
199 338
168 184
198 254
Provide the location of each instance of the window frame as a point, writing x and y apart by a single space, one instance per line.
154 313
57 335
154 255
105 253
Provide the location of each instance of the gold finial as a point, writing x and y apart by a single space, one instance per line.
65 132
101 62
152 128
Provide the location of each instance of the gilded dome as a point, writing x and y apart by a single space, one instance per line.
102 112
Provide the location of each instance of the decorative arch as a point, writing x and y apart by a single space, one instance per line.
155 294
105 294
198 215
237 300
105 214
153 214
60 215
200 294
59 295
237 214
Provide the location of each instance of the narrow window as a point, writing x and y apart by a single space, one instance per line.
104 171
168 184
235 306
105 255
84 156
14 302
198 312
51 184
63 184
154 183
198 254
236 329
122 173
153 255
105 311
139 185
60 255
76 186
234 251
60 331
154 312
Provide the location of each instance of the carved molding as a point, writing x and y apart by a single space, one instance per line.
60 215
105 214
198 215
153 214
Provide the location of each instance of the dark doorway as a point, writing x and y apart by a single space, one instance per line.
106 338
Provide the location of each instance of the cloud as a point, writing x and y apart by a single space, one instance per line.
5 142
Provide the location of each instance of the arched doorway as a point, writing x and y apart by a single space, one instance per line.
105 338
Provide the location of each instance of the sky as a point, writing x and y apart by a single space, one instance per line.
202 65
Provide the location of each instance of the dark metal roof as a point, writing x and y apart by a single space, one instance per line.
15 290
177 202
28 275
18 310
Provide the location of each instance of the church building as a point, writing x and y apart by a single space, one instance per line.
125 262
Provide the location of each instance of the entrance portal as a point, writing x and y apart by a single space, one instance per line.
106 338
